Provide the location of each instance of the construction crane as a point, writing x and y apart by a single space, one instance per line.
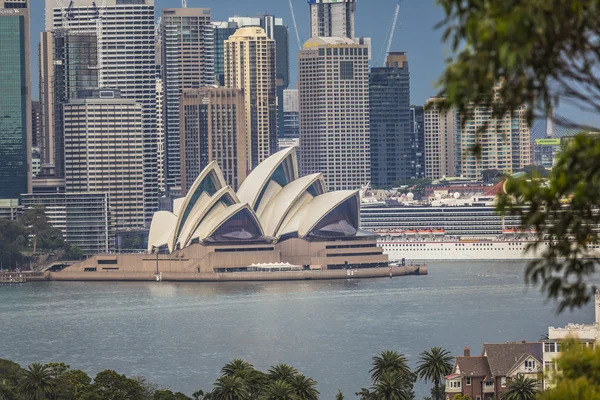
66 13
391 31
183 3
295 26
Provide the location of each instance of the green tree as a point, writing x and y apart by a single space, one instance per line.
392 386
543 53
229 388
564 211
281 372
304 387
280 390
10 372
434 365
236 367
109 385
37 382
461 397
339 395
169 395
389 362
74 253
521 388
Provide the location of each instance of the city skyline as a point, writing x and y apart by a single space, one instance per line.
415 35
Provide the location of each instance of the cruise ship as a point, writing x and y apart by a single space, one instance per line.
447 228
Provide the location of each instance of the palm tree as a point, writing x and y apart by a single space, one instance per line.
304 387
392 386
282 372
37 382
236 367
229 388
339 395
390 362
280 390
434 365
521 388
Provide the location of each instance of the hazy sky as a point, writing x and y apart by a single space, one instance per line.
415 34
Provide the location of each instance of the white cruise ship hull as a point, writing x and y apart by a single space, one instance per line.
456 250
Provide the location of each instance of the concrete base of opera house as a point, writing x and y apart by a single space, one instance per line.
238 276
314 259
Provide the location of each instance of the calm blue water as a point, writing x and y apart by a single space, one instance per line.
181 334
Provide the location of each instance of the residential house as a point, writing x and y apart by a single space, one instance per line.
487 377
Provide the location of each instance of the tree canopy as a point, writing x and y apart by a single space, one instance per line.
536 54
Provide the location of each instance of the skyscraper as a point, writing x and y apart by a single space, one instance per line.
126 61
250 66
334 111
75 67
36 124
187 54
46 79
441 155
160 134
417 131
100 158
15 99
291 114
276 30
222 31
213 129
505 143
391 140
332 18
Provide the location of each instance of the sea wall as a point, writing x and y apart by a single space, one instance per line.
237 276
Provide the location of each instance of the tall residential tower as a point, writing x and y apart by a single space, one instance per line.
332 18
187 55
250 67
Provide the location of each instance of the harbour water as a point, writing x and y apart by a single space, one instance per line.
179 335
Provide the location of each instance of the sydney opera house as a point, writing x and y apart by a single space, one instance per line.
275 217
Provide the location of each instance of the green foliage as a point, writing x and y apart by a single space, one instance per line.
390 362
12 242
304 387
461 397
579 376
169 395
37 382
563 210
433 365
280 390
110 385
74 253
521 388
393 386
230 388
339 395
392 378
281 372
542 51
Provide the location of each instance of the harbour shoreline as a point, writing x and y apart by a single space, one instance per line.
146 276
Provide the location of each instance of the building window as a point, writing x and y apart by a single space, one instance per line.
503 382
468 381
346 70
549 347
529 364
454 384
